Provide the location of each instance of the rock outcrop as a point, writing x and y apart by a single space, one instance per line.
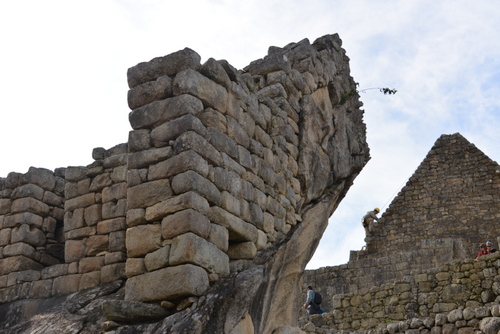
211 210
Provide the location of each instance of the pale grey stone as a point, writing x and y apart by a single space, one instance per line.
208 91
192 181
189 248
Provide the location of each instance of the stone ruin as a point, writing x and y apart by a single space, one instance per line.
419 272
204 221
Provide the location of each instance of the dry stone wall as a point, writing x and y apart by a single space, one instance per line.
448 207
459 297
31 230
224 187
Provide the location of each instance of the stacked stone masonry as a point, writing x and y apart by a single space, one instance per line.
209 177
448 207
459 297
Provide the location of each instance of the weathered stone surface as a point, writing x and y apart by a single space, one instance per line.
5 204
111 225
113 272
89 264
183 222
145 158
162 134
194 283
238 229
208 91
28 190
65 285
159 112
127 311
74 250
192 181
157 259
149 91
96 244
23 218
148 194
29 204
189 248
191 140
242 250
219 236
134 266
19 248
143 239
161 66
189 200
182 162
490 325
27 234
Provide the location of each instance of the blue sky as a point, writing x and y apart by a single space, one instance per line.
63 89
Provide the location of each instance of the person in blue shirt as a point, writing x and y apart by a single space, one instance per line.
311 307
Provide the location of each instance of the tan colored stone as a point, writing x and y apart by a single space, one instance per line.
185 221
113 272
219 236
29 204
238 229
90 280
245 326
145 288
189 248
157 259
242 250
80 233
64 285
115 257
79 202
143 239
134 266
74 250
111 225
89 264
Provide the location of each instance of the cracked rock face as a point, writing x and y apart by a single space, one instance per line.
325 140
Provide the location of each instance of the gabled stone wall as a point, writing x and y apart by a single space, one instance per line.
448 207
454 193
